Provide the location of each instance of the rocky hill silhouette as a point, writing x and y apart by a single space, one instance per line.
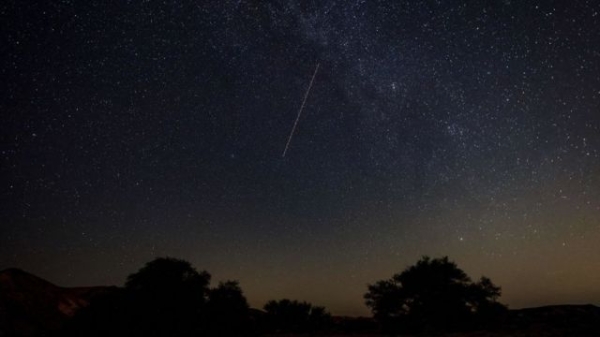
30 305
564 320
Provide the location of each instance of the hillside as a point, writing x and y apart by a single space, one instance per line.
30 305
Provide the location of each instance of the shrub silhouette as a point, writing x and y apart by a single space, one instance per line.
434 294
293 316
228 311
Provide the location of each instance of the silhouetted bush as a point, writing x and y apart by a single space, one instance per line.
293 316
433 295
228 311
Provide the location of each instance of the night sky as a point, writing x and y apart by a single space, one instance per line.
136 129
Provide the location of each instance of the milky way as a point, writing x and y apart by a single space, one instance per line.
143 129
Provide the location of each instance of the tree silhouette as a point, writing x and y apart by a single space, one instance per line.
166 273
433 294
293 316
228 310
166 297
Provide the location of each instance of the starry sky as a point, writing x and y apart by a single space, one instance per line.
136 129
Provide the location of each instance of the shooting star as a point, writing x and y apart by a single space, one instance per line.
300 111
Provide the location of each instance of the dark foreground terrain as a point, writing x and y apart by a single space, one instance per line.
32 306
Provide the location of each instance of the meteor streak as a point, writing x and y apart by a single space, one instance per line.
300 111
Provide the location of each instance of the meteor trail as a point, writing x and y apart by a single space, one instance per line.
300 111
